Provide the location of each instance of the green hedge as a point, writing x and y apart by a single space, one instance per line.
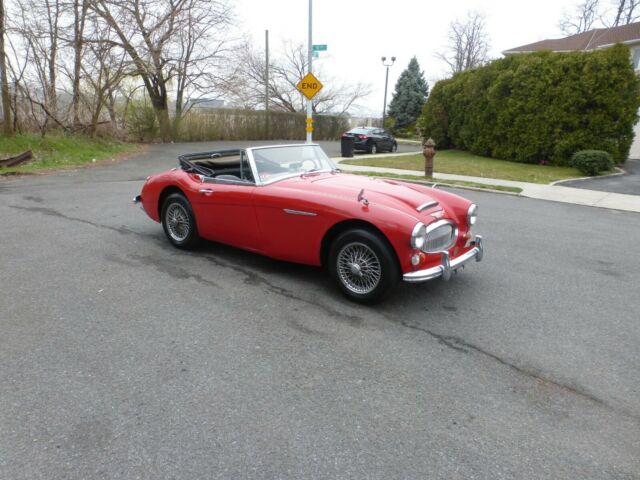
539 107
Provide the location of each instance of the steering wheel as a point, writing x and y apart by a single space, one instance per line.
308 165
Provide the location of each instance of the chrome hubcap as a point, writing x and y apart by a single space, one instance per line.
177 222
359 268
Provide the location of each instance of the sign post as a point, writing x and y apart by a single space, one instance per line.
310 61
309 86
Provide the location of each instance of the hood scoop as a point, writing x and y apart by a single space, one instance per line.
424 206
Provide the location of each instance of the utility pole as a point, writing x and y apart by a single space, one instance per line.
310 61
266 84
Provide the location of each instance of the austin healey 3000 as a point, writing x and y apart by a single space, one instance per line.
290 202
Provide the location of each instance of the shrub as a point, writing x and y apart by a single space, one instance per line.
591 162
539 106
141 121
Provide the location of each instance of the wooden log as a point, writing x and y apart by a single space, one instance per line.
17 160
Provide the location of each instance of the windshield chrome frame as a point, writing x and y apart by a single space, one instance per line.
260 183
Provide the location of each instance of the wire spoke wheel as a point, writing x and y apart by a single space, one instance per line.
177 221
359 268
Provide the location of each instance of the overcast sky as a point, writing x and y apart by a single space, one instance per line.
358 33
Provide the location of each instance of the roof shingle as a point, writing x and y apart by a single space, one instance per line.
589 40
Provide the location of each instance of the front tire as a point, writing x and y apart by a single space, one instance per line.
363 265
179 223
394 147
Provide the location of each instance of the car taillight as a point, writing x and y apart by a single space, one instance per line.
362 137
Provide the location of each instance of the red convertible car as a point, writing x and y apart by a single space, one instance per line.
290 202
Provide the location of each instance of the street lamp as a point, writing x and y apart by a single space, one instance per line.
386 81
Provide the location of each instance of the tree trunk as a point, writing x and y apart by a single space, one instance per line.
161 108
80 12
6 99
162 114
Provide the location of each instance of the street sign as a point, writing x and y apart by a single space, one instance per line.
309 86
315 54
319 48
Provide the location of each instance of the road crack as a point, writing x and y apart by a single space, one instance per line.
459 345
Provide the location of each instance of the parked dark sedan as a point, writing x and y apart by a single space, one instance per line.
372 139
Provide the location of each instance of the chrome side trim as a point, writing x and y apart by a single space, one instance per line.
424 206
299 212
447 264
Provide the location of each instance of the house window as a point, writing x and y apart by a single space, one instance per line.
635 55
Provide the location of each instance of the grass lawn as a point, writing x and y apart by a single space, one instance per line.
463 163
58 151
453 183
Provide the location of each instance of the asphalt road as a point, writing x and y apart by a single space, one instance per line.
121 357
628 183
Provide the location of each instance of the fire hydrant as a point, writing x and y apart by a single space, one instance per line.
429 151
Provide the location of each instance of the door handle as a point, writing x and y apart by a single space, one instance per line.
206 191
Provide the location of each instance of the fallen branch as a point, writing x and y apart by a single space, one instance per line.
17 160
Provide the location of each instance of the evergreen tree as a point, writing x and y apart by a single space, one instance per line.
409 97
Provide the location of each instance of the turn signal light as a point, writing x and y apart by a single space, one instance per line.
418 259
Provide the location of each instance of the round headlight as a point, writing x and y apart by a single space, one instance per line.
418 235
472 214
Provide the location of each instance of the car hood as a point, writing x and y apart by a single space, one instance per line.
399 195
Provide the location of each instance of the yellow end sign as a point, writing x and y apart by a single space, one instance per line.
309 86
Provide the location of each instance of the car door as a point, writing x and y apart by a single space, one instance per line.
387 140
226 214
290 225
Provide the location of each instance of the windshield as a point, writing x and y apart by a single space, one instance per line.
274 163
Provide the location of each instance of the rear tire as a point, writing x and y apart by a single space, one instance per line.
178 222
373 148
363 265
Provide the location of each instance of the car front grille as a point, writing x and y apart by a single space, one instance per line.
441 236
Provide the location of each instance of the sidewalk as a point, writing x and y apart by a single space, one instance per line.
555 193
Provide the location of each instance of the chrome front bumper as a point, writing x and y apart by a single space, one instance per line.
137 200
447 265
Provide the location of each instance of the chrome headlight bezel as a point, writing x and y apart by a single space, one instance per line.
472 214
418 235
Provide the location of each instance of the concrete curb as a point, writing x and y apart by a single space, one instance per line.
618 173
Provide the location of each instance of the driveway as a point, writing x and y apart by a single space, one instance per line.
121 357
628 183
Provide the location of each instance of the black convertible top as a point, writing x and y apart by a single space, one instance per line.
188 160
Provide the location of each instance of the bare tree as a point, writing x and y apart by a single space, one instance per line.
6 99
38 24
285 73
143 29
104 69
199 48
590 14
624 13
80 9
164 40
468 44
582 18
